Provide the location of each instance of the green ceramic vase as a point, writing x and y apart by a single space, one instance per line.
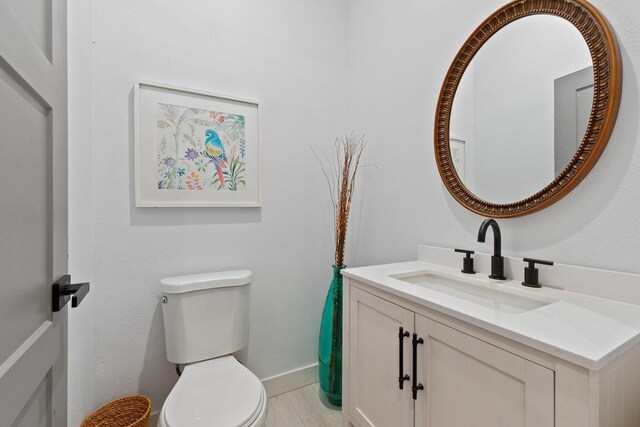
330 342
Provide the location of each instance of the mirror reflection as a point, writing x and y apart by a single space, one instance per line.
521 108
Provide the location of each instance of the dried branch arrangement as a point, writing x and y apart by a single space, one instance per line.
340 170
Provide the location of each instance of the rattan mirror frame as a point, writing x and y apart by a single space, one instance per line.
605 55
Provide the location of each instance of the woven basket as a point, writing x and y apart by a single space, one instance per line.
131 411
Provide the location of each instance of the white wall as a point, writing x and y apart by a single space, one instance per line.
81 212
398 57
290 55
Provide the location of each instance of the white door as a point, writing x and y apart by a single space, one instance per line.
375 397
468 382
33 211
573 98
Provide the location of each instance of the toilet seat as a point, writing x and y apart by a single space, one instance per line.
216 392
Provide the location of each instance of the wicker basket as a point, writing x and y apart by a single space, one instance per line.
131 411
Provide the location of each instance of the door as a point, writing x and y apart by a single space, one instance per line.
33 211
375 397
573 98
468 382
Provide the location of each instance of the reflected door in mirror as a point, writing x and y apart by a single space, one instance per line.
573 100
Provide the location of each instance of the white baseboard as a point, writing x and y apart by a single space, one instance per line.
291 380
153 419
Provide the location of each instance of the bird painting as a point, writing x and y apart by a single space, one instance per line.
214 150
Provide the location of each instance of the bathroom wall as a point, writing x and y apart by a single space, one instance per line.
397 60
317 68
290 56
81 212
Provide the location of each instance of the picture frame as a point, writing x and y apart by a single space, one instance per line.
458 154
195 148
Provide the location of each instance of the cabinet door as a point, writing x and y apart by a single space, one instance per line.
468 382
375 397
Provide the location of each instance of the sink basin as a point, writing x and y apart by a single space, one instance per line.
476 290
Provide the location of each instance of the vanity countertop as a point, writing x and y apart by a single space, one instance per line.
582 329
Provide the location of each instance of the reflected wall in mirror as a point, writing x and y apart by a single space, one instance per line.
504 108
525 111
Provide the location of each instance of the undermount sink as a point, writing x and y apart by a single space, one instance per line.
475 290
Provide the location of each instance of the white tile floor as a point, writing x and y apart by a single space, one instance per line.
301 408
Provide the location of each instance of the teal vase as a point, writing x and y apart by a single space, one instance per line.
330 342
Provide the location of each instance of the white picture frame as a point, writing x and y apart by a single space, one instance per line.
458 153
195 148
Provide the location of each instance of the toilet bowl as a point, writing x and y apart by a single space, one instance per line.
218 392
206 320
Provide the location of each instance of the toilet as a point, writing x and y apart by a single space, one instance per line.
206 320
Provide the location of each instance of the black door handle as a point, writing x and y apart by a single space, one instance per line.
415 386
402 377
62 291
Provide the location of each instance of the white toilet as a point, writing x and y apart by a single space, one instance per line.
206 319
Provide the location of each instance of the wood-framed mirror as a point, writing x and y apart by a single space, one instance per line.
527 106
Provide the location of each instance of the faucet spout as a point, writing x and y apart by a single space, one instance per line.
497 261
497 237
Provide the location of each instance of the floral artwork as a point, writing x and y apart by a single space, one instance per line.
195 148
200 150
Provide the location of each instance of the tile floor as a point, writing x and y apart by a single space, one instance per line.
301 408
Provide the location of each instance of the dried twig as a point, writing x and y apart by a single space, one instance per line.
340 173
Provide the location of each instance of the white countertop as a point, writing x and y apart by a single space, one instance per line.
582 329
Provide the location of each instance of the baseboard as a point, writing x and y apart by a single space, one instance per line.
153 419
291 380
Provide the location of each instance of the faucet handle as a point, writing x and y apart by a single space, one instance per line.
533 261
531 272
467 262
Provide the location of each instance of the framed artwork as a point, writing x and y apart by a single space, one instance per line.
194 148
457 147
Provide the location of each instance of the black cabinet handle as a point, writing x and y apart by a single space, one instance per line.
415 387
402 377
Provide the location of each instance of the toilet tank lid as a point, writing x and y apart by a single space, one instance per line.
197 282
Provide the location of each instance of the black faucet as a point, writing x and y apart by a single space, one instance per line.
497 261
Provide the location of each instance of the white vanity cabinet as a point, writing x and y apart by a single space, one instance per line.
469 375
467 382
375 397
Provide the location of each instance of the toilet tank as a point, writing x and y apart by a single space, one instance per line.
205 315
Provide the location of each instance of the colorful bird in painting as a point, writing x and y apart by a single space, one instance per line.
214 150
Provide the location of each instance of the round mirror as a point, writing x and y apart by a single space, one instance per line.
527 106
